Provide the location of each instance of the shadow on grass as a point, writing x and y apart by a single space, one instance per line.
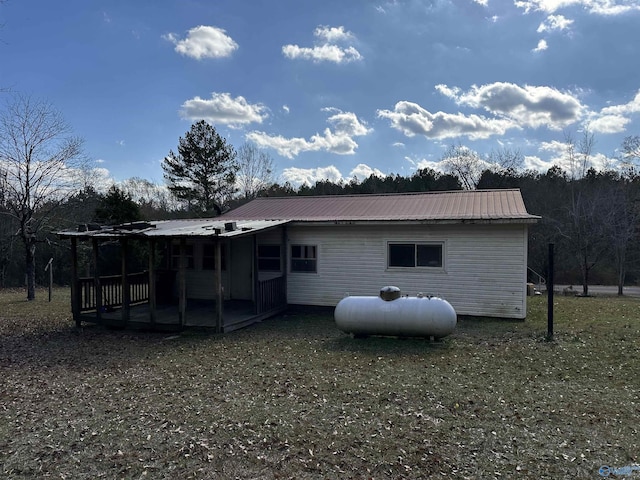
89 347
387 346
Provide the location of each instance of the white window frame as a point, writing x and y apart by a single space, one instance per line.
279 257
292 258
415 266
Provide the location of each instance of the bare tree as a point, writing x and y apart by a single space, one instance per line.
579 153
255 172
464 163
507 159
585 215
155 200
39 161
621 220
631 154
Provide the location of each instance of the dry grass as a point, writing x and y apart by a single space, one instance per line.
295 398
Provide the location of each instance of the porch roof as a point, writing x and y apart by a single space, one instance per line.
201 227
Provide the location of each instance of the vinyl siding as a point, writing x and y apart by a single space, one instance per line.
484 269
201 282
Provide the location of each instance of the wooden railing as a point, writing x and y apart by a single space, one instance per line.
272 294
111 290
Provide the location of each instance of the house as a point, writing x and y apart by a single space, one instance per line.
469 247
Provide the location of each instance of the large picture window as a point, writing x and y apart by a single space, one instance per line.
269 258
415 255
304 258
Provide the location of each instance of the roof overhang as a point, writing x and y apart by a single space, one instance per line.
458 221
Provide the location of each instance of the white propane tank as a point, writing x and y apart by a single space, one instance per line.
398 316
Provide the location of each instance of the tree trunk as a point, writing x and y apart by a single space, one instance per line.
621 274
31 268
585 276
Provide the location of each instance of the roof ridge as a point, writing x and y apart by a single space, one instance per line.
397 194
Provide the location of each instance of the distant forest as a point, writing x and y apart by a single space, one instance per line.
592 218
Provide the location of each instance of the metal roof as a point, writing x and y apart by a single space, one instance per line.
491 206
452 206
201 227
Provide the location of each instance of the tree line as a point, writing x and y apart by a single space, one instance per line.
46 186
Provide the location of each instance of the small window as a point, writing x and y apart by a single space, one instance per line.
303 258
175 256
209 256
269 258
429 255
415 255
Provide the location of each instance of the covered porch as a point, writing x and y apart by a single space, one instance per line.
199 276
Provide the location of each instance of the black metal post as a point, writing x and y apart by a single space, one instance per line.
550 295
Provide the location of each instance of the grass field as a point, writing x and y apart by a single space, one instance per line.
294 397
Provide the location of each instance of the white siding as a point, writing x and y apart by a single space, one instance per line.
201 282
484 270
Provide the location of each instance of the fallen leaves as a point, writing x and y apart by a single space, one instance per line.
295 398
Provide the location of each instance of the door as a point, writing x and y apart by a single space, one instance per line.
241 268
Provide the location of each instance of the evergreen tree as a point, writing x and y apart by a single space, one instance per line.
117 207
203 172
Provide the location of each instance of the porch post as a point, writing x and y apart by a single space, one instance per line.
126 294
75 291
218 283
96 279
257 300
152 281
285 259
182 282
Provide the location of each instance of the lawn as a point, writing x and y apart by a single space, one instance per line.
293 397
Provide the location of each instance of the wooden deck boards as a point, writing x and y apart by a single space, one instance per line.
236 314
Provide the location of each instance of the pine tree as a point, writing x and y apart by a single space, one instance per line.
203 173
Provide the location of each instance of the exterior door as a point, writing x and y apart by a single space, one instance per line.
241 268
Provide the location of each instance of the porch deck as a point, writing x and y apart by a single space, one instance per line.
237 314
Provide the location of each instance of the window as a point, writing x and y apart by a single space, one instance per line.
209 256
303 258
175 256
269 258
415 255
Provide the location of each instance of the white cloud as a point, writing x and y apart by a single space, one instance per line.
204 42
554 22
285 109
559 156
614 118
337 140
326 50
536 163
484 3
625 109
333 34
609 124
542 46
322 53
411 119
598 7
435 165
363 171
309 176
526 106
222 108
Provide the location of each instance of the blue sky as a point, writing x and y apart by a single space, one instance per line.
330 89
